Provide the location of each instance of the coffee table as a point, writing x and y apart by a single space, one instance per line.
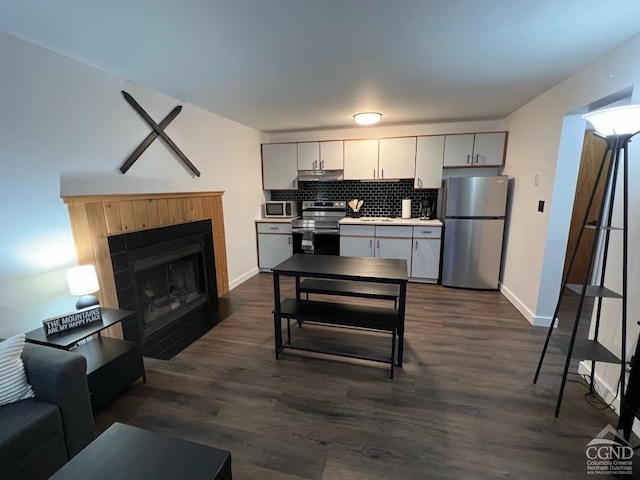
123 451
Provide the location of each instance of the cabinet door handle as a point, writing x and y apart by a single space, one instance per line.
289 240
274 228
378 244
383 173
420 182
315 164
374 173
426 231
294 184
468 158
370 242
477 158
322 164
416 244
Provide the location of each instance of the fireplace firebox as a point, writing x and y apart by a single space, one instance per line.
169 281
167 276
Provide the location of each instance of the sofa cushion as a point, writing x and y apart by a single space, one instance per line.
25 425
13 379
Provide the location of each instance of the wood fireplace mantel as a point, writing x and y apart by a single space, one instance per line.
96 217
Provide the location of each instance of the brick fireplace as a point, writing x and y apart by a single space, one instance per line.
98 221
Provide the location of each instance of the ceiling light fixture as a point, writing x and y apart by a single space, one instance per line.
367 118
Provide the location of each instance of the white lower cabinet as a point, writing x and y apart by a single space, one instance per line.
399 248
357 241
275 244
356 246
419 246
425 262
376 241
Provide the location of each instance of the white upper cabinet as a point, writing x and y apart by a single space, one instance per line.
488 149
397 158
332 155
280 166
458 150
479 150
321 155
429 158
309 156
360 159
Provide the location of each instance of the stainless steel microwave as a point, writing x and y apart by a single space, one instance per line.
280 209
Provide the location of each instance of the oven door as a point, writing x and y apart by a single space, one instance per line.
324 242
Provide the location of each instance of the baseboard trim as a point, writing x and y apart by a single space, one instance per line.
606 392
243 278
534 320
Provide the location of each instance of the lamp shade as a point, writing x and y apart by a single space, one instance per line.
616 120
367 118
82 280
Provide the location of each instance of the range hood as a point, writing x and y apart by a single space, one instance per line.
320 175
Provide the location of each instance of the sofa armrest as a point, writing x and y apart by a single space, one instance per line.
60 377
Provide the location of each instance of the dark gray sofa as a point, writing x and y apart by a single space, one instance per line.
39 435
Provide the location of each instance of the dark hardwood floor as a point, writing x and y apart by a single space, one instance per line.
463 406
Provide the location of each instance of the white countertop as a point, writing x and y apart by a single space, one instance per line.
275 220
390 221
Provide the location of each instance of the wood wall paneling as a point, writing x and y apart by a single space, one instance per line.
140 214
127 217
112 216
96 217
153 217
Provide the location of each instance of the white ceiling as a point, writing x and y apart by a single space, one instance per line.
304 64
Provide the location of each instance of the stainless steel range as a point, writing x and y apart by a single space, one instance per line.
318 231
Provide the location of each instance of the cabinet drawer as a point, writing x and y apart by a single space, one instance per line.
274 227
389 231
427 232
357 230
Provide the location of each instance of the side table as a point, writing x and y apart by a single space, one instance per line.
112 364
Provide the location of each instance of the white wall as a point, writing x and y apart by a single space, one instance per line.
65 129
531 275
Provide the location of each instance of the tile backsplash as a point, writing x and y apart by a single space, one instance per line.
381 199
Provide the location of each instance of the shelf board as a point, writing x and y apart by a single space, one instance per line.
585 349
593 290
603 227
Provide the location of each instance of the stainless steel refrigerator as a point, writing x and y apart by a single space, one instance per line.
473 211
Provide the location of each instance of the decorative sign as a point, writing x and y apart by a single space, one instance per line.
70 321
157 131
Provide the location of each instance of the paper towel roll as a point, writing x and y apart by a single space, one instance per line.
406 208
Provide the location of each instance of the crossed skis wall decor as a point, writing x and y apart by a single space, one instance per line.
158 131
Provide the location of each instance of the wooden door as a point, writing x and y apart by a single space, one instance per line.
592 150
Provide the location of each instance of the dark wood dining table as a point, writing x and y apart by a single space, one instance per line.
365 270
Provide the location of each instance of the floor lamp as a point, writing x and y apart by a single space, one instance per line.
617 126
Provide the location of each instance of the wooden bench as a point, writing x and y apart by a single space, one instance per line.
347 288
359 316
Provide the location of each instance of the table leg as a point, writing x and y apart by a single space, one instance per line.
277 321
401 313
